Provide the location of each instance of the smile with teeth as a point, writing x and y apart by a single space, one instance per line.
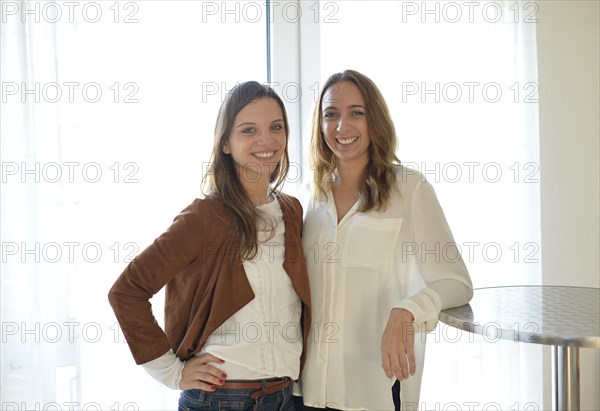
345 141
264 154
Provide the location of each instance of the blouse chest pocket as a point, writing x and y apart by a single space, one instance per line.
371 243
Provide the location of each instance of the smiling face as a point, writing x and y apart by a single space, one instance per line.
257 140
344 123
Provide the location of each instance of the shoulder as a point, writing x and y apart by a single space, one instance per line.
408 183
415 190
289 203
206 210
408 178
291 210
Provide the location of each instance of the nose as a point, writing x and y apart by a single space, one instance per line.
265 137
343 124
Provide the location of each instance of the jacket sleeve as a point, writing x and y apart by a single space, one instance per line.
447 281
146 275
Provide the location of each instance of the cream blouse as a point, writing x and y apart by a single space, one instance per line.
361 268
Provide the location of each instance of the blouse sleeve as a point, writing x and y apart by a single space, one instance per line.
166 369
145 276
447 281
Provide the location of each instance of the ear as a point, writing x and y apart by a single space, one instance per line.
226 149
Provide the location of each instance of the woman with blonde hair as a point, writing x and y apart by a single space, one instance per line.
237 309
370 235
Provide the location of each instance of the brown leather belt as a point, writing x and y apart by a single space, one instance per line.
270 386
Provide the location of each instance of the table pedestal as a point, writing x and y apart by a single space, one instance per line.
566 318
565 385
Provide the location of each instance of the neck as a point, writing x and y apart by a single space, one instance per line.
258 191
350 175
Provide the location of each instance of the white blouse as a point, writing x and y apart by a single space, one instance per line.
264 338
361 268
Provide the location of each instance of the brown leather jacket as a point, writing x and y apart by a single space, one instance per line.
205 285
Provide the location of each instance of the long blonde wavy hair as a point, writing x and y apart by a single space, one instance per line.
379 178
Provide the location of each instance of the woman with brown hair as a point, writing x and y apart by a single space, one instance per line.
237 309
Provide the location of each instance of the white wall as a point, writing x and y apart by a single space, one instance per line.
568 58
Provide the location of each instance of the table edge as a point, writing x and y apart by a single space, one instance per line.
497 333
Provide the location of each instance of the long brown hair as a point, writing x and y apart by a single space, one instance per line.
379 177
222 178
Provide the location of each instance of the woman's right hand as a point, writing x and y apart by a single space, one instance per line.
197 374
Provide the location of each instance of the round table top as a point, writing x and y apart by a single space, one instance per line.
551 315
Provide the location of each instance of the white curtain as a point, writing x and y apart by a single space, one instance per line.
107 118
29 287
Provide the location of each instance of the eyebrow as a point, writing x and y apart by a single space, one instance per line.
250 123
245 124
350 106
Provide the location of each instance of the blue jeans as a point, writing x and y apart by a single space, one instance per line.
234 400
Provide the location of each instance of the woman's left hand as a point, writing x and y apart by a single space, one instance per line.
398 345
